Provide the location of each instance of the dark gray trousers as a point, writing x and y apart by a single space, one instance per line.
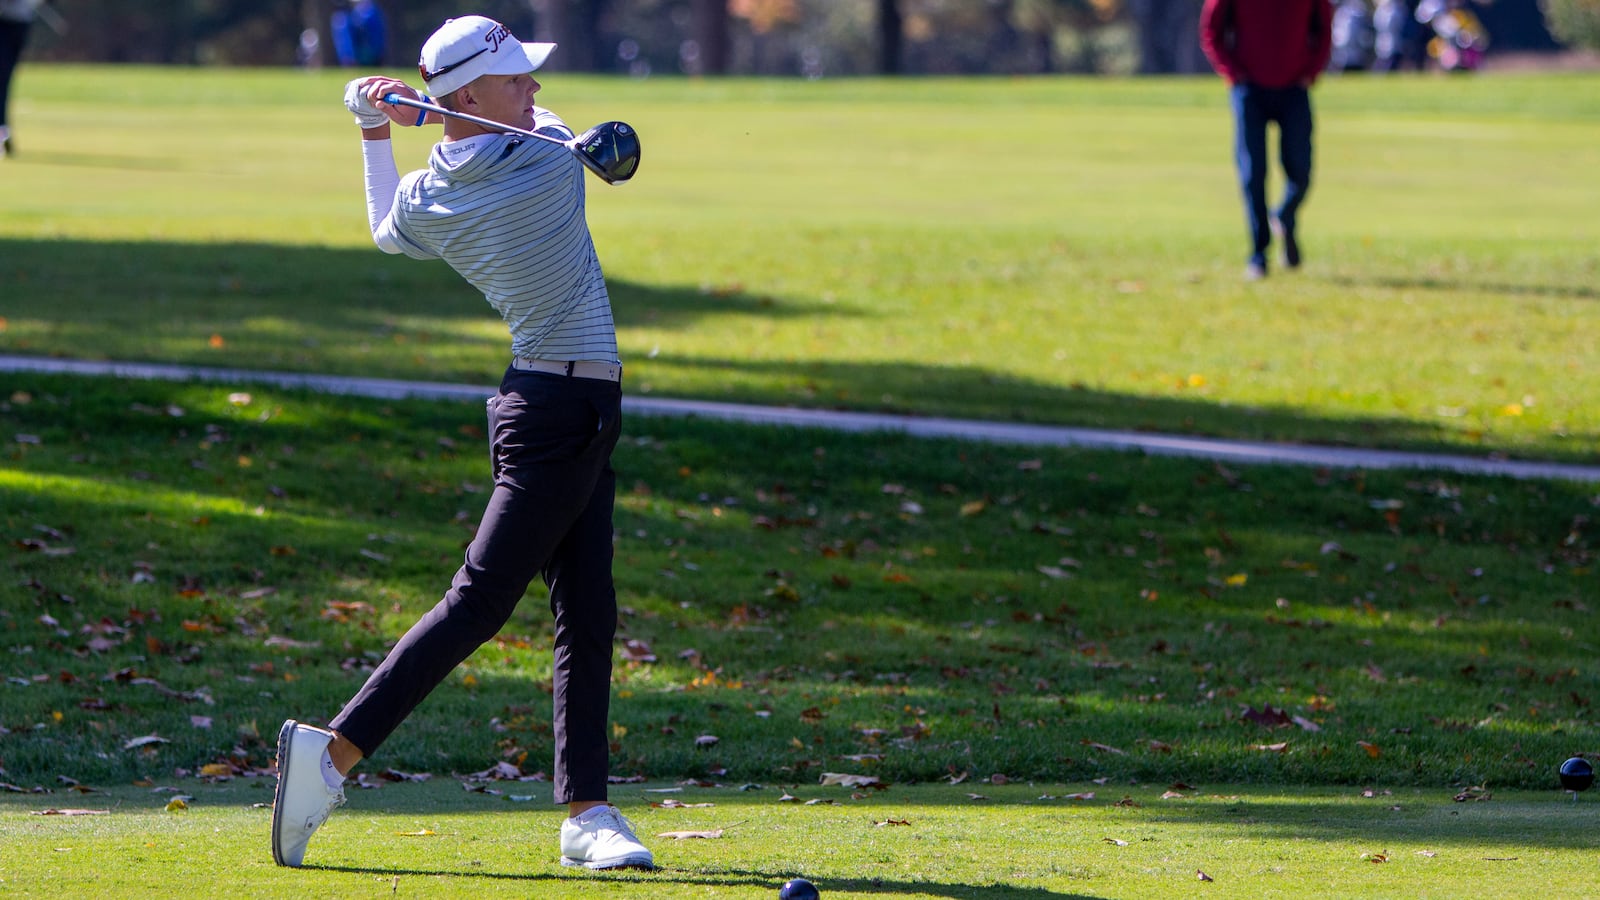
551 439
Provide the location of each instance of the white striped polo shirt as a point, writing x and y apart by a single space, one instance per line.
507 213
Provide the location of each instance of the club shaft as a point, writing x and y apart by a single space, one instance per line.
397 100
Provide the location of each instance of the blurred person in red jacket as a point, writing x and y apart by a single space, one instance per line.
1270 52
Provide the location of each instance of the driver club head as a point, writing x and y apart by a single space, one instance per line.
610 150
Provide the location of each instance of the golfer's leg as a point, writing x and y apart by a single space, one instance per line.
541 437
13 37
1250 155
1294 151
500 563
583 599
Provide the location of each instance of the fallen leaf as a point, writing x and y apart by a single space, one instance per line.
1266 716
144 741
176 804
845 780
424 832
1119 843
1203 876
72 812
690 835
1372 749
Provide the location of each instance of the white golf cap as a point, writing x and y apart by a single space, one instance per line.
464 49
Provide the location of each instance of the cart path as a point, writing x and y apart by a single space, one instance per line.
1238 452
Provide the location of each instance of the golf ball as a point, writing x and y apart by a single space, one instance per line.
798 889
1577 774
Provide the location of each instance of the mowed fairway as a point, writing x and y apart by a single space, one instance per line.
904 668
1053 250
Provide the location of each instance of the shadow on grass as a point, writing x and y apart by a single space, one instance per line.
1467 284
734 879
245 305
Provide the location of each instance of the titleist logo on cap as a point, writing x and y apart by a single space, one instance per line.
497 35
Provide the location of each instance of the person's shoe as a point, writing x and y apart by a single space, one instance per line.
1255 271
601 838
307 790
1291 247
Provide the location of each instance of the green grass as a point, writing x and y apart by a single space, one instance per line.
904 607
934 841
185 565
1052 250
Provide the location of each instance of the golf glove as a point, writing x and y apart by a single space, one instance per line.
355 100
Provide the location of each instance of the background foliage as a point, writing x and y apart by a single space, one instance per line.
1576 22
805 38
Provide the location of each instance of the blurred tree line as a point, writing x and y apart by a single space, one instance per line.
805 38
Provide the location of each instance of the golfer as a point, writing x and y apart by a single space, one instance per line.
507 213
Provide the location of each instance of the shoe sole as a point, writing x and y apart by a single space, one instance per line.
623 863
286 732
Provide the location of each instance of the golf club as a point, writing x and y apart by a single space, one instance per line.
610 150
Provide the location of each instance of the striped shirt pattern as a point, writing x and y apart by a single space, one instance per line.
507 213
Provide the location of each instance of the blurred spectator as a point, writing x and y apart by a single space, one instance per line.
1459 38
1353 36
359 33
1392 24
1270 52
309 52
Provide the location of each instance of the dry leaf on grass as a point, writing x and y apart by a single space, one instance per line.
689 835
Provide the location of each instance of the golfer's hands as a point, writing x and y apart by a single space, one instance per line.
357 99
378 88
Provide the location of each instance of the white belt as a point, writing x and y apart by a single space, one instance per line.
579 368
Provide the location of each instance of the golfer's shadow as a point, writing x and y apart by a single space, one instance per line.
756 881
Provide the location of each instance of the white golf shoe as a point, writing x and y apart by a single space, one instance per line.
601 838
306 790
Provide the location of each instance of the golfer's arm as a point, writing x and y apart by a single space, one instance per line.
381 177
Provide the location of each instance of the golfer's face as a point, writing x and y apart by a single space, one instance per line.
507 99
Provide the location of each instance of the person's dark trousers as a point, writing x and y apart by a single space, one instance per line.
1253 108
550 514
13 37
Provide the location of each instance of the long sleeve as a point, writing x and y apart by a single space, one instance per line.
381 176
1321 40
1216 39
